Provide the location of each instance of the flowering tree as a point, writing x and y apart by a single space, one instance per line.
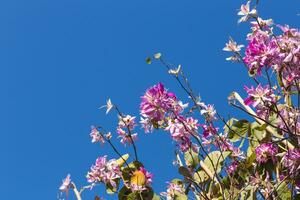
253 158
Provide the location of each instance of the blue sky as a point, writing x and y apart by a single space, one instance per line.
61 59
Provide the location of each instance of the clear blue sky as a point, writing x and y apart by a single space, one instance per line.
61 59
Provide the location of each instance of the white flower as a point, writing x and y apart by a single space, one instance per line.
246 12
108 106
232 46
175 71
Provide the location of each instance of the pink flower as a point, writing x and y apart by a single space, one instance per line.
232 167
265 152
181 129
291 161
208 111
104 171
246 12
126 125
172 191
259 95
209 130
221 141
96 136
232 46
156 103
65 186
262 50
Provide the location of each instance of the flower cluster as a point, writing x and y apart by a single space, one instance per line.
265 152
282 53
125 127
181 130
261 51
140 180
104 171
156 103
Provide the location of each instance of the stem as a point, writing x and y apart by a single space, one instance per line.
129 133
76 192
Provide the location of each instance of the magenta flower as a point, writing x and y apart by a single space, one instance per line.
259 95
65 186
156 103
291 161
232 167
262 50
265 152
104 171
209 130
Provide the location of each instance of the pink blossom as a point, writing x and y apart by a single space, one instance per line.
259 95
96 136
262 50
291 161
181 129
265 152
65 186
246 12
232 46
156 103
173 189
104 171
232 167
208 111
209 130
126 124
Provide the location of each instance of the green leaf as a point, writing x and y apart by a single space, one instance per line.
191 158
148 60
126 171
216 160
283 191
238 130
123 193
258 131
200 176
156 197
110 189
